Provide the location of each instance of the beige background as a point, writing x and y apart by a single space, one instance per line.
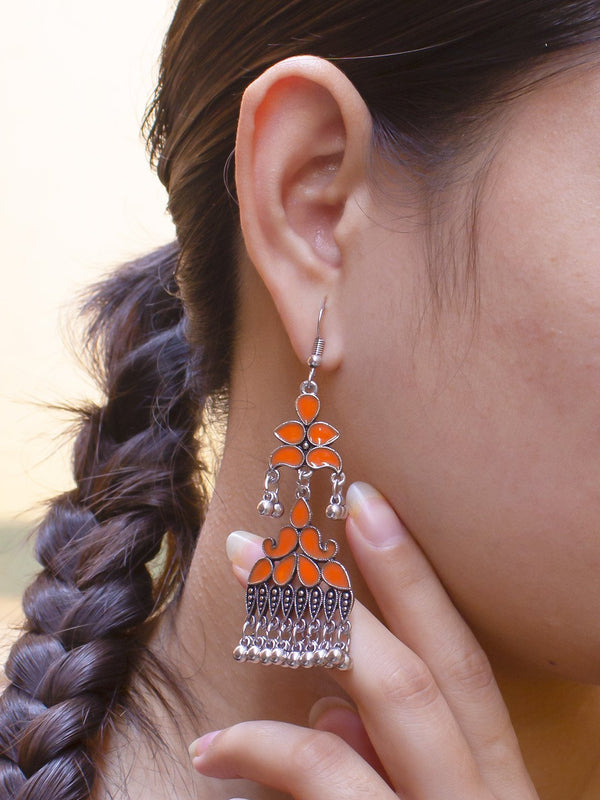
77 197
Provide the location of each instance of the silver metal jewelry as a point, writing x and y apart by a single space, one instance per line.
299 597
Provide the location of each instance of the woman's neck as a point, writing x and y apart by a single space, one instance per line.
557 724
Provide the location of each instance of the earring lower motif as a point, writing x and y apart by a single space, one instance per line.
299 597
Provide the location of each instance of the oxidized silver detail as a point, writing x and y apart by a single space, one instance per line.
302 622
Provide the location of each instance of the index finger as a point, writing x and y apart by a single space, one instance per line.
419 612
405 713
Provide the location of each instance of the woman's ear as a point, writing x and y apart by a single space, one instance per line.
302 144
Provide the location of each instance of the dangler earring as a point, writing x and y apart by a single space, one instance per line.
298 597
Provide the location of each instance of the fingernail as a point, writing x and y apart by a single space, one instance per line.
201 745
326 704
372 516
359 495
243 549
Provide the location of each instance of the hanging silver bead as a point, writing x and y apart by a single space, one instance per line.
253 653
265 508
240 653
277 510
336 511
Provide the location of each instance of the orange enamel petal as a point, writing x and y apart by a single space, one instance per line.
261 571
300 515
291 432
324 457
284 570
307 406
287 456
335 575
310 541
308 572
322 433
286 544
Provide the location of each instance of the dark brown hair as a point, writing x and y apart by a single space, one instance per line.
161 330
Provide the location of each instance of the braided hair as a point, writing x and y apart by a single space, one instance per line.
136 474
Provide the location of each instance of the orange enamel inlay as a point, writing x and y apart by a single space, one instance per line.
335 575
284 570
310 542
300 515
324 457
308 407
308 571
322 433
288 541
291 432
261 571
287 456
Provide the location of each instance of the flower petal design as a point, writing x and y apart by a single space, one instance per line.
250 598
291 432
308 572
284 570
307 406
287 600
310 542
346 603
322 433
335 575
324 457
287 456
300 601
300 513
286 544
315 601
274 600
261 571
330 602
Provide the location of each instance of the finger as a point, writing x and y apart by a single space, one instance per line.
405 714
336 716
419 612
409 723
243 550
309 765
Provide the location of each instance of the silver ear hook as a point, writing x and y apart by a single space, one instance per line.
316 357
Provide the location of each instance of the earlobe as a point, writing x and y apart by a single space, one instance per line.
303 136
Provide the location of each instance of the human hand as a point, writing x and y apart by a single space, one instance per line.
430 721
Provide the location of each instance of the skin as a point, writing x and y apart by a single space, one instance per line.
478 426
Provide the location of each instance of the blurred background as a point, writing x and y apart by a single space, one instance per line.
78 197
